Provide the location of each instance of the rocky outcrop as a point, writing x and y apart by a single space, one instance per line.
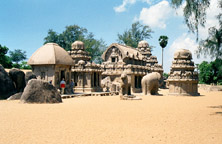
7 87
29 75
38 91
18 77
16 96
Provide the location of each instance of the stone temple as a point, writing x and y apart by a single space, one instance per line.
52 63
86 75
183 80
134 62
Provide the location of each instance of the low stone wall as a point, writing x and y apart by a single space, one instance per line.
24 70
210 87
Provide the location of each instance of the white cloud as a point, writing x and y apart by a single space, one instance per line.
125 3
156 15
122 7
186 41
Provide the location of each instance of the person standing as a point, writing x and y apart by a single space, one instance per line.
72 84
62 85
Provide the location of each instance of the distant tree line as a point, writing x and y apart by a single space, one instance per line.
95 47
210 72
73 33
14 60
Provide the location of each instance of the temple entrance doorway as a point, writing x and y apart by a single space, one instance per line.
62 74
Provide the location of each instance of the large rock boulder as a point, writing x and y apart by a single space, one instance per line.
38 91
16 96
29 75
7 88
18 77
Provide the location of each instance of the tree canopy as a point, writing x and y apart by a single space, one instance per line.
135 34
210 72
73 33
17 55
5 60
163 40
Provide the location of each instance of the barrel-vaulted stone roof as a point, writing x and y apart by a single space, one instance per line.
127 51
50 53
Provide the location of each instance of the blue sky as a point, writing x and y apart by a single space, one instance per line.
25 23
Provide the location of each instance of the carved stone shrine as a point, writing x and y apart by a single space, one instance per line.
183 80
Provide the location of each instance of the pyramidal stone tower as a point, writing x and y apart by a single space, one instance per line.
183 80
86 74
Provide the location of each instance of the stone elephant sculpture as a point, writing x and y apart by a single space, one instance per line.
124 85
150 83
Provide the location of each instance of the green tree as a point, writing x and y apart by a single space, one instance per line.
94 47
24 65
210 72
17 55
5 60
73 33
51 37
217 71
135 34
163 40
165 75
205 72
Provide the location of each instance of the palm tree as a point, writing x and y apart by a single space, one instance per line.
163 40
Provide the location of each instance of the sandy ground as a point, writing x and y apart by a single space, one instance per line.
102 120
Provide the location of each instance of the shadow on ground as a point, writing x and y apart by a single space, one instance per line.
216 107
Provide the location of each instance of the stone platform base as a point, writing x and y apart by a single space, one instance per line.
87 90
183 94
65 96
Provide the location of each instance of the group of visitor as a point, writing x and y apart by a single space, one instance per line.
63 85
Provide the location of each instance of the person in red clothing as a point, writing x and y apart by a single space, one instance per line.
62 85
